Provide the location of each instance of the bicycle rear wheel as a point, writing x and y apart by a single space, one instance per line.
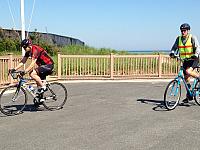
197 93
172 95
12 100
55 96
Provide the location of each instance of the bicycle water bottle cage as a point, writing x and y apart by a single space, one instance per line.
22 81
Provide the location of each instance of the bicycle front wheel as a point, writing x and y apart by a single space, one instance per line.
12 100
197 93
55 96
172 95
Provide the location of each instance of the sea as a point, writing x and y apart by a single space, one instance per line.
149 52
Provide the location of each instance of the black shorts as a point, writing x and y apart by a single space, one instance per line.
190 63
44 70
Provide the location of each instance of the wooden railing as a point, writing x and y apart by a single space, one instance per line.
116 66
6 63
102 67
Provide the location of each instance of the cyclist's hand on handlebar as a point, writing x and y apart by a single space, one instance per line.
22 73
172 54
11 71
194 56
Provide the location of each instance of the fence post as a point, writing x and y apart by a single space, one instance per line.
10 66
59 66
159 65
111 66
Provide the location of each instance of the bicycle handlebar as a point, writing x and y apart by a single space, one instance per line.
181 59
18 71
16 74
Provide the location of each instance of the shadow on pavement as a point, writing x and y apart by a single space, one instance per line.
32 108
28 107
159 104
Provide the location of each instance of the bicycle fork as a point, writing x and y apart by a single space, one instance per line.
175 88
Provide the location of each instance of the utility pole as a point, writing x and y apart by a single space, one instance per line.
22 24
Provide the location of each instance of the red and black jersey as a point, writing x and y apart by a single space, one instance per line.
40 54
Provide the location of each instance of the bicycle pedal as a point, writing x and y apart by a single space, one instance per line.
19 112
41 100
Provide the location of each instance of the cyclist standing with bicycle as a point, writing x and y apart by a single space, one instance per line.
41 63
188 47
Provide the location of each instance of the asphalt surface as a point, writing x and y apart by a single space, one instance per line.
105 116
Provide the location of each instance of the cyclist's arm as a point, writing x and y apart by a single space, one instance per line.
175 46
196 45
23 61
30 67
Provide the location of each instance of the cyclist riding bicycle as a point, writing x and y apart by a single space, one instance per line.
41 63
188 47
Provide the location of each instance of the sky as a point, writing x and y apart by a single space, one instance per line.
115 24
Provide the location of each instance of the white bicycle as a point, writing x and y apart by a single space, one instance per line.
13 99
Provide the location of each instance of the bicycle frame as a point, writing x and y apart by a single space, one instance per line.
22 84
181 77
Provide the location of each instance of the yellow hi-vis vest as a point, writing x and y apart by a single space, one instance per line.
186 51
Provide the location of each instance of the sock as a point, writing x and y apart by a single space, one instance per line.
44 87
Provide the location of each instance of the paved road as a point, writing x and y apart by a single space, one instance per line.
105 116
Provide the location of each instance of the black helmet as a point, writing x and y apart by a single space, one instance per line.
185 26
26 43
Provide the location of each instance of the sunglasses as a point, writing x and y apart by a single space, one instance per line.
183 30
24 47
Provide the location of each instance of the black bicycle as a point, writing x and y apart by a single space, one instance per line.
13 99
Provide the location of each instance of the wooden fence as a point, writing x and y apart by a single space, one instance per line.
116 66
102 67
7 62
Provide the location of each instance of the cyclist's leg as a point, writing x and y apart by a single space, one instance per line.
42 72
188 97
189 71
193 64
192 72
34 75
187 66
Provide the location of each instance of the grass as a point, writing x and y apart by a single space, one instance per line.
87 50
4 53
